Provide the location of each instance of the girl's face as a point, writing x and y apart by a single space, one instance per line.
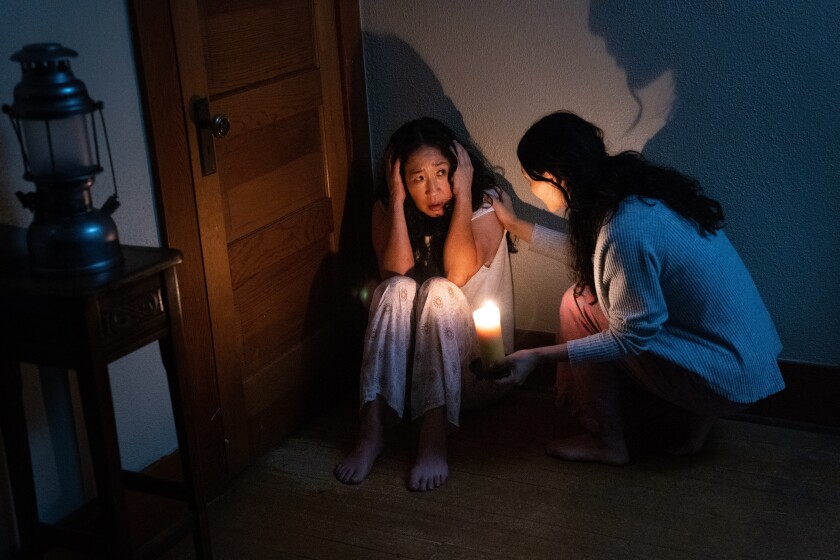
427 180
547 192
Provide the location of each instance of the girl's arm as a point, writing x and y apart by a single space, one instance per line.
389 228
469 243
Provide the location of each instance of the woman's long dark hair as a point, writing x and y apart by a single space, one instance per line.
572 149
407 139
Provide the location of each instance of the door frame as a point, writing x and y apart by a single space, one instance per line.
167 130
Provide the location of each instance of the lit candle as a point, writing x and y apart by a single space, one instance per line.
489 329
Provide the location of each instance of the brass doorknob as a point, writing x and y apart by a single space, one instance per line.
220 126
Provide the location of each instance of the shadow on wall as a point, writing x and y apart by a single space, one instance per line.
402 87
756 91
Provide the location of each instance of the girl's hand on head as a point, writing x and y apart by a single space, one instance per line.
463 176
396 188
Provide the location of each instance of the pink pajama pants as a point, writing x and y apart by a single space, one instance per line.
592 391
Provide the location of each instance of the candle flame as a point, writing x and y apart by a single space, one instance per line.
486 315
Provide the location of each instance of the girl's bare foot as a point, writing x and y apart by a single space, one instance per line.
357 465
431 469
590 447
697 432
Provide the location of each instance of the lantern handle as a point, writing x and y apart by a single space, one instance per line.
112 203
16 126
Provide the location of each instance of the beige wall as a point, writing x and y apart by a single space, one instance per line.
494 67
741 95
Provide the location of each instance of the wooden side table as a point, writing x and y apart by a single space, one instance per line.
83 323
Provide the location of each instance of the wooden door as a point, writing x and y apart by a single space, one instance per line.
267 220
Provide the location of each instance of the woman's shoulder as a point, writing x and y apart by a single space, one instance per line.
632 211
644 210
636 222
647 223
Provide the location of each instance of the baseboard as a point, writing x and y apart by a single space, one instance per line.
811 395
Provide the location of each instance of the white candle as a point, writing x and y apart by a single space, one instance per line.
489 329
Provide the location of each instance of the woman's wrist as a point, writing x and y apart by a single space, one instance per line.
522 229
550 354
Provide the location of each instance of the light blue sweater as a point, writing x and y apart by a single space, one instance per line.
685 297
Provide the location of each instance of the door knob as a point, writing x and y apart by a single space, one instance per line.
220 126
206 129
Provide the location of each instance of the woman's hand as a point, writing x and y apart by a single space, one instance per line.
510 221
504 210
520 364
463 176
396 188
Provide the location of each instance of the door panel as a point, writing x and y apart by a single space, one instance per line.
268 246
248 156
249 41
268 217
261 63
284 400
275 305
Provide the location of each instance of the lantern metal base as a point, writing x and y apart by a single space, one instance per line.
84 243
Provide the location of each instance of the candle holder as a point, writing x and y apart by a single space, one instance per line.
498 372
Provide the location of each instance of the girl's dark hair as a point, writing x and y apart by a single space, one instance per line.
407 139
572 149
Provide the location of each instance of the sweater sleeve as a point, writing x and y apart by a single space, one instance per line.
628 264
550 243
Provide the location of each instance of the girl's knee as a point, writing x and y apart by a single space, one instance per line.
396 288
438 286
439 294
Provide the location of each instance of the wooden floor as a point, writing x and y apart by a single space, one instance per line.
757 491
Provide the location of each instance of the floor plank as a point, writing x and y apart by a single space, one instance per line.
757 491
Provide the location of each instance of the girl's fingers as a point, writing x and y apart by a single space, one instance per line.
460 152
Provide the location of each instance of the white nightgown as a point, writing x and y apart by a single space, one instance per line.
430 328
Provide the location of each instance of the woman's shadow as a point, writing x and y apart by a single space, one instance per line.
756 94
755 121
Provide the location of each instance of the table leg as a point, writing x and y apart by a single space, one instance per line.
181 413
19 458
97 404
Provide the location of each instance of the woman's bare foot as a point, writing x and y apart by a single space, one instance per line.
697 432
431 469
357 465
590 447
